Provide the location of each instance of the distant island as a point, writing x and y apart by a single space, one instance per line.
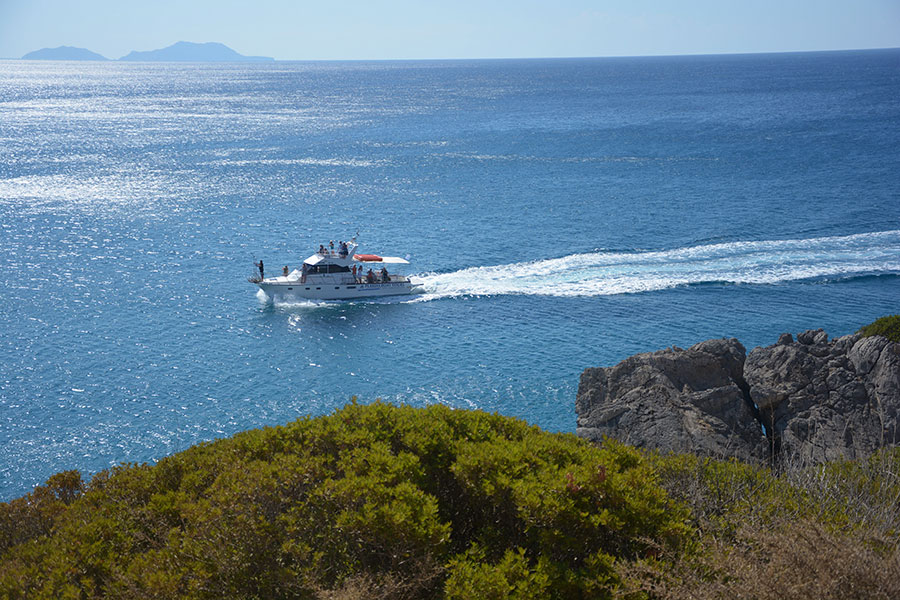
189 51
178 52
63 53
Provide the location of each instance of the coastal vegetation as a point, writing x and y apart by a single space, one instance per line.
888 327
383 501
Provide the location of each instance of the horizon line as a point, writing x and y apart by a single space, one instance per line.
686 54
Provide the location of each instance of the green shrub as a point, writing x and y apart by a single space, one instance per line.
825 531
371 501
380 501
796 561
512 577
35 514
844 495
725 494
888 326
859 495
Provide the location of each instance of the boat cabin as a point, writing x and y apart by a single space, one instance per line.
340 273
334 267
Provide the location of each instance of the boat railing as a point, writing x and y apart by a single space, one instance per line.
377 278
336 253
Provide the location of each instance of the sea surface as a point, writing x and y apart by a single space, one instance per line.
562 214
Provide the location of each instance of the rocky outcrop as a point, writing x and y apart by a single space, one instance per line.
812 399
823 400
674 399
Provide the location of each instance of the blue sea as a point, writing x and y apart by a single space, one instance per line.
562 214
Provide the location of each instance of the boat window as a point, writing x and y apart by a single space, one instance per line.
320 269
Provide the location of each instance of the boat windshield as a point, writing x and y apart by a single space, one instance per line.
327 268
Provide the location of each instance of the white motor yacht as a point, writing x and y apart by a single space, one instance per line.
339 274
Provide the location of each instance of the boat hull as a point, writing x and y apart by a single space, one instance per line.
295 291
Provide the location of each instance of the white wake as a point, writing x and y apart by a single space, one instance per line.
605 273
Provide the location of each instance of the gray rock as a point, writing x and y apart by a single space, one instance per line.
815 400
866 352
810 336
823 400
673 400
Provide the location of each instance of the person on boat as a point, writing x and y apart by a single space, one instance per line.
384 274
322 250
261 271
343 250
353 270
284 271
303 271
370 277
331 245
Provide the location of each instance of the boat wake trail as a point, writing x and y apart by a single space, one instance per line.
606 273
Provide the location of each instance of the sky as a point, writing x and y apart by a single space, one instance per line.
427 29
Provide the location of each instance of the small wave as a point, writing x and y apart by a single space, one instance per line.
340 303
574 159
315 162
852 277
301 303
607 273
407 144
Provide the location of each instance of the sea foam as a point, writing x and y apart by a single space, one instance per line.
748 262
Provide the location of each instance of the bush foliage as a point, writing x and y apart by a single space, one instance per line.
383 500
888 326
827 531
380 501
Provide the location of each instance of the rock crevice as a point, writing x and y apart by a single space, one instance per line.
812 399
